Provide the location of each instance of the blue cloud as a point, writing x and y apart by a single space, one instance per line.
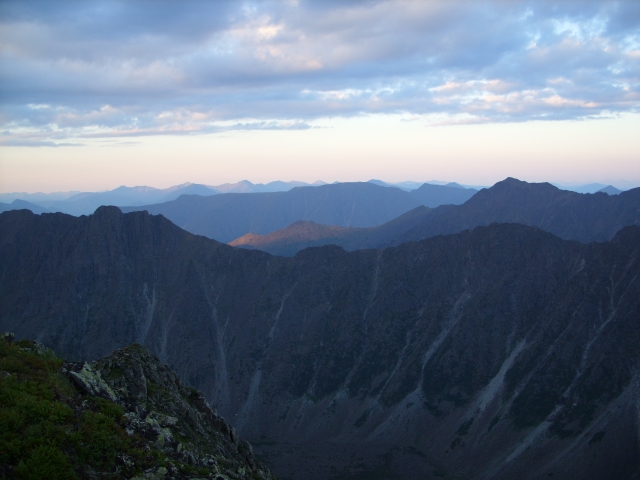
80 69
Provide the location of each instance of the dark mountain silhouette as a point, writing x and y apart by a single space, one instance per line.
502 352
570 215
22 205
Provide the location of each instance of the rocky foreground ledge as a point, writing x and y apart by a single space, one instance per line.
124 416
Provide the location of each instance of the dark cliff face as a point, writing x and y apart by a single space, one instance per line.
502 352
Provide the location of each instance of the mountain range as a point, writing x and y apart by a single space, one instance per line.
85 203
358 204
570 215
431 194
498 352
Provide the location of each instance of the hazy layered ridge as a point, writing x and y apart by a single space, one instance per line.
570 215
22 205
85 203
227 217
503 352
300 235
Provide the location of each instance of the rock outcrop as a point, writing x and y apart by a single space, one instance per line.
175 419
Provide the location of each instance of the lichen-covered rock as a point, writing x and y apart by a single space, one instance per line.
173 418
89 381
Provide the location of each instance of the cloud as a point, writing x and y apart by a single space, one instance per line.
90 69
181 129
35 143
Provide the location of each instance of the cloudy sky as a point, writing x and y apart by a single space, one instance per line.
94 95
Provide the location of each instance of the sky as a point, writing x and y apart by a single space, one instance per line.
94 95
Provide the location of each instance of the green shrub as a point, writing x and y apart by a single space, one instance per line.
45 461
40 435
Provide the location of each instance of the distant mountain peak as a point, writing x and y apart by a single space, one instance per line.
610 190
380 182
248 239
19 204
511 181
107 211
521 184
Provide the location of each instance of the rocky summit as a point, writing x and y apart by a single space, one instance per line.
124 416
500 352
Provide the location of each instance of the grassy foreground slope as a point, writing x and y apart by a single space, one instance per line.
51 427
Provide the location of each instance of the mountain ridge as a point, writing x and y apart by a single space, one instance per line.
506 342
84 203
351 204
572 216
566 214
227 217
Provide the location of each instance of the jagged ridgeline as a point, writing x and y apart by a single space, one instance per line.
499 352
124 416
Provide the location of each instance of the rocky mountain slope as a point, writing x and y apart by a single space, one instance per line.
570 215
502 352
124 416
